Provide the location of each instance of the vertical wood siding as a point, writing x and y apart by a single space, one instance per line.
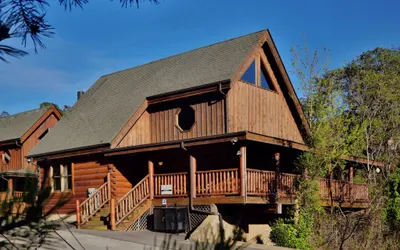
209 120
139 133
33 139
261 111
15 162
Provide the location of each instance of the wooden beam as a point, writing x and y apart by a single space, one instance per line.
176 144
78 214
193 168
351 174
275 141
112 214
188 93
150 165
243 171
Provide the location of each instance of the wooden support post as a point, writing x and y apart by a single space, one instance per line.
193 166
78 214
277 158
151 179
109 186
243 171
112 214
10 189
351 174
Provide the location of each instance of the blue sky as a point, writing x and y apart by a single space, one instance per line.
103 38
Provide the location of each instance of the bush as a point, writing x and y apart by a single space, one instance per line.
287 234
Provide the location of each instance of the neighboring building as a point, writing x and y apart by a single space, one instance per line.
19 133
228 112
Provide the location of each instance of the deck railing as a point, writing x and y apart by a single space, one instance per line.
18 194
95 202
179 182
217 182
125 206
260 182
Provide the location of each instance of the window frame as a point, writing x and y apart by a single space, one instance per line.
63 177
6 157
179 110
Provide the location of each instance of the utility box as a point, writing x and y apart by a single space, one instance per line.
171 219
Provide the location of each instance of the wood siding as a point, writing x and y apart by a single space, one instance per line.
34 139
261 111
86 174
139 133
15 162
209 120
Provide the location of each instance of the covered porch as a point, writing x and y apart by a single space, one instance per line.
233 170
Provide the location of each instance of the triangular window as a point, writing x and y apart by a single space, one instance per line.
266 82
250 74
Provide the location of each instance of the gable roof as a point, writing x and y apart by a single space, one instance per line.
109 104
13 127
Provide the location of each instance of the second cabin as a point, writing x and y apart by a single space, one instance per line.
221 124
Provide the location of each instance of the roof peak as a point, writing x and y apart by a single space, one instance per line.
188 51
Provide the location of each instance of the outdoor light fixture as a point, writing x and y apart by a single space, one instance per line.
234 140
378 170
160 163
239 153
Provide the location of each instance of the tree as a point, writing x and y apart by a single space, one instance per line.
4 114
26 20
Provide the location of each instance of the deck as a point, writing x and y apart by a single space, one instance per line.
224 186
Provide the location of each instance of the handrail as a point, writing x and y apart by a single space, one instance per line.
125 206
94 202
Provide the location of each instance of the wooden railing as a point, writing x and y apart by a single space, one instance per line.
287 183
341 191
18 194
217 182
94 203
179 182
138 194
260 182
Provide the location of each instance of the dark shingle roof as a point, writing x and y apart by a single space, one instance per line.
15 126
102 112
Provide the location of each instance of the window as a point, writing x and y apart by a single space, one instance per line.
185 118
43 134
62 177
265 79
250 74
258 75
6 157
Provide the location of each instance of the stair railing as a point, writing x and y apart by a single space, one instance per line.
93 203
138 194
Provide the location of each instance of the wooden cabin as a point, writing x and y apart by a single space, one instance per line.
19 133
223 121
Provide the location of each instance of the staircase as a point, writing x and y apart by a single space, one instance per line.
100 220
92 212
133 204
128 223
95 212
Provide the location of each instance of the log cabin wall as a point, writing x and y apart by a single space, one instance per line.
87 172
261 111
209 118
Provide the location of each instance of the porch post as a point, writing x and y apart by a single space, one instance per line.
277 158
112 214
351 174
78 215
193 168
10 193
151 178
243 171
